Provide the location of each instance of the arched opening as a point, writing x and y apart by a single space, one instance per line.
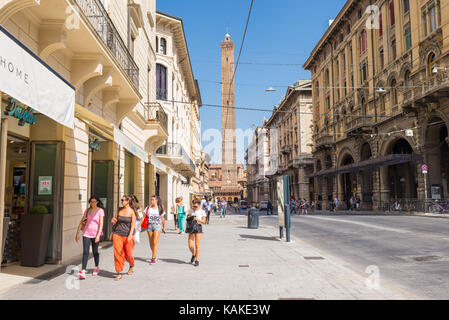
401 177
348 181
367 177
437 152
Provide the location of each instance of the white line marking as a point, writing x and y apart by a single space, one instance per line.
362 224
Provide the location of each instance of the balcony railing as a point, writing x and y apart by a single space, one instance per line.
105 28
359 122
155 113
175 150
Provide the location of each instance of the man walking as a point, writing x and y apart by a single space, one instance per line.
223 208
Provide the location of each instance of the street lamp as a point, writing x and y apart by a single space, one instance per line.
381 90
270 89
435 69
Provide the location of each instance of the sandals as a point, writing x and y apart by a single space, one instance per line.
118 277
131 270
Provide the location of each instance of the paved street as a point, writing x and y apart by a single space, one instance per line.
410 251
236 263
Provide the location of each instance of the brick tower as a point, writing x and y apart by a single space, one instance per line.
229 161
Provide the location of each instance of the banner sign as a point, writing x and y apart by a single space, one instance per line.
29 80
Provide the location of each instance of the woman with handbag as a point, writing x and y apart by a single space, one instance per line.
180 209
92 226
123 240
156 223
195 219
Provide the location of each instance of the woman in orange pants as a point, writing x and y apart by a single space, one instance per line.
123 238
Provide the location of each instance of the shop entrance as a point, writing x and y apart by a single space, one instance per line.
102 187
16 181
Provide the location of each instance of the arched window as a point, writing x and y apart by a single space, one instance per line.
394 92
363 41
408 79
431 63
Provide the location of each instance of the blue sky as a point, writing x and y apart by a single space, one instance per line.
283 31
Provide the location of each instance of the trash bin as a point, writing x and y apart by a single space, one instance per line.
253 218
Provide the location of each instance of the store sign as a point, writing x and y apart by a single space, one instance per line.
129 145
25 115
28 79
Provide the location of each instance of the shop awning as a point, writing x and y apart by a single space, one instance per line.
29 80
94 121
123 140
370 164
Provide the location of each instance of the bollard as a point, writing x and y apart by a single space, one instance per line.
253 218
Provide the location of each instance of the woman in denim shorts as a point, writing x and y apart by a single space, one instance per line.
156 224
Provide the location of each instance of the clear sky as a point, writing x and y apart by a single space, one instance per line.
283 32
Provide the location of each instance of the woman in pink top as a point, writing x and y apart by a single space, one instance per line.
93 230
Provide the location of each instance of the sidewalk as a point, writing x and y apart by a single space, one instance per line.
386 213
235 263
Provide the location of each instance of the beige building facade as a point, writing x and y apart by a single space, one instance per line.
109 54
290 138
380 104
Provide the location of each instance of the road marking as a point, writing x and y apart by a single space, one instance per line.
361 224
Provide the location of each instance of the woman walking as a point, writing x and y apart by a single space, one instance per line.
139 211
180 209
123 240
208 209
196 218
156 224
92 226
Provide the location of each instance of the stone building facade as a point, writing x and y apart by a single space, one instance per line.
380 86
290 138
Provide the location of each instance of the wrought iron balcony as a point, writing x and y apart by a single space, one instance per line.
154 113
105 28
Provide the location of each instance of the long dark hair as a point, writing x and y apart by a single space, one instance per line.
160 206
99 204
132 204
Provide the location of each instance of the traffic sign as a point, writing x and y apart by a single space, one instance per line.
424 169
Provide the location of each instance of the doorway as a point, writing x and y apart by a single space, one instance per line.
16 183
102 187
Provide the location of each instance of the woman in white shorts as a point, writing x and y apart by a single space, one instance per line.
156 224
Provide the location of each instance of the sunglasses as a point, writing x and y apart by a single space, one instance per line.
123 200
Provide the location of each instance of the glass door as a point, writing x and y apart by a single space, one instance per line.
102 187
46 190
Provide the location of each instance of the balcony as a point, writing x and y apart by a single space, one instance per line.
430 90
302 161
106 30
359 124
174 155
155 115
324 140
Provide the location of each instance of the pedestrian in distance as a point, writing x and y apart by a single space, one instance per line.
181 212
335 204
123 235
269 208
293 206
156 224
208 210
196 218
203 203
92 226
357 202
175 215
139 211
223 208
306 206
351 203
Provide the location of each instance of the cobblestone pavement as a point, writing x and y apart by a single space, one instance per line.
235 263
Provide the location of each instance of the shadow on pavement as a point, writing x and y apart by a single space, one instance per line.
176 261
105 273
248 236
147 260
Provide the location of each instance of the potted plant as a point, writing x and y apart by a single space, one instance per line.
36 228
